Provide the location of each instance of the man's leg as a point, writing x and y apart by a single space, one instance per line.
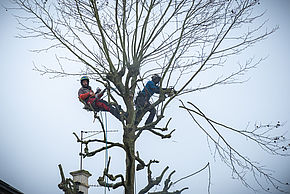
139 104
151 116
104 106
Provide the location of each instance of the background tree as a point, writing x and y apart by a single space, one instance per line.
121 44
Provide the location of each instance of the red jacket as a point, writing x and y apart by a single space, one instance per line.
84 94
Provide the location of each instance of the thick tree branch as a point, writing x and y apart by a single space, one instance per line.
102 182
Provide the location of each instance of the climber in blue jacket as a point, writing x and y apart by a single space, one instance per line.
142 99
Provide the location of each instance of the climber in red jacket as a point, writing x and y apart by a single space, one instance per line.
94 100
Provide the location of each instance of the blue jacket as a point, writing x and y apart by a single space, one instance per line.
150 89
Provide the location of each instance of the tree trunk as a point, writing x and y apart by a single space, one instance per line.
129 143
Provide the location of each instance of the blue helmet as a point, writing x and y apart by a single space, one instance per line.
84 78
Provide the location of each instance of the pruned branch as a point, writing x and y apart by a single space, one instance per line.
102 182
66 184
156 181
154 130
152 181
92 153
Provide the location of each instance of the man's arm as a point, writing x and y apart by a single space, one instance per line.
154 88
100 94
84 95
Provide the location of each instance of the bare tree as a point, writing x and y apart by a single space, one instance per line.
122 43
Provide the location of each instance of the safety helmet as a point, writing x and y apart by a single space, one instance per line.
84 78
156 78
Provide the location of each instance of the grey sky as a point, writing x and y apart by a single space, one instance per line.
38 116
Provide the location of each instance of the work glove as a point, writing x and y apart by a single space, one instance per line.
98 90
170 92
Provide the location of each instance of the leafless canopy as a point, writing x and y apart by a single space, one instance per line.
122 43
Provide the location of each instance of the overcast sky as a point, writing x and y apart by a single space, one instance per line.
38 116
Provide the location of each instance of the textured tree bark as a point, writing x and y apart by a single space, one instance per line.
129 144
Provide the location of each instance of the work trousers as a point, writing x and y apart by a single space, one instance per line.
142 103
102 105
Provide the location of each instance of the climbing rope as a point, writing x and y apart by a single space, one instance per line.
106 153
105 121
